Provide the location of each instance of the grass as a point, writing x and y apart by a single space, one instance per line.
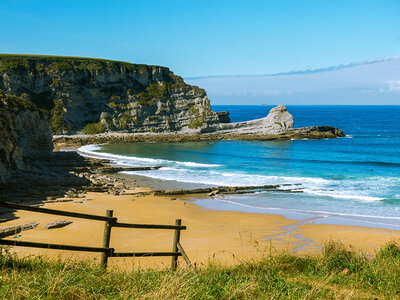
15 61
336 273
56 64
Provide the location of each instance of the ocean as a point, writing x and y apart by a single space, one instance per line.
353 180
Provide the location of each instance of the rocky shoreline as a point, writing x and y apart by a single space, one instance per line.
277 125
66 176
314 132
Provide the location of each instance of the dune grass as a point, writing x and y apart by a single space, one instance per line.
336 273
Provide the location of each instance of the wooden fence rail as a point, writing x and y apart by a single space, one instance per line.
56 212
105 250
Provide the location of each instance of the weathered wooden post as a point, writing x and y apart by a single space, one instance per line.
106 239
177 237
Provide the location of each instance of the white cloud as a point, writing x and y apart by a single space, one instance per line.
394 85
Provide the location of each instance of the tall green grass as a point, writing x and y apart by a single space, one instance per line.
336 273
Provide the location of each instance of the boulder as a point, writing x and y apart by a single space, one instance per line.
11 230
57 224
223 116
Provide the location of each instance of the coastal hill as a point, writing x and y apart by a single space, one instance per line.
92 96
105 95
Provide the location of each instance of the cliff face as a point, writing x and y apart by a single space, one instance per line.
114 96
25 135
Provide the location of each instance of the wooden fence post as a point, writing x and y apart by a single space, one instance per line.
106 239
177 236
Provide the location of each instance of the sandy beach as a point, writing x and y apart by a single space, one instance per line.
212 236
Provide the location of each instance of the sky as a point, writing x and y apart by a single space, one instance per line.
369 82
206 38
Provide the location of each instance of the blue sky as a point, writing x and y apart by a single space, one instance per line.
367 83
203 38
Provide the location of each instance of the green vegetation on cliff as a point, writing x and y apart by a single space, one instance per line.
334 274
94 128
16 102
57 121
152 93
40 63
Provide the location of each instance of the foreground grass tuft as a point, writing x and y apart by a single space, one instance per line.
336 273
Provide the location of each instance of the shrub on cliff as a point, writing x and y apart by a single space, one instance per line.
17 102
94 128
152 93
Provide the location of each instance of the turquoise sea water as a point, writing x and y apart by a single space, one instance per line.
351 180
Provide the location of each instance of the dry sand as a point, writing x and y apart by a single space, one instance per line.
212 236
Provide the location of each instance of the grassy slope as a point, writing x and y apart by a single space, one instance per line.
335 274
61 57
51 63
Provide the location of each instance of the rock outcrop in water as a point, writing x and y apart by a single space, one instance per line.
277 121
109 95
25 135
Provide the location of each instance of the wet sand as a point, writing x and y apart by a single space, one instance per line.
212 236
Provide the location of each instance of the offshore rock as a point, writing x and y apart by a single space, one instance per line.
277 121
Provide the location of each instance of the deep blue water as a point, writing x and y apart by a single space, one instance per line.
353 178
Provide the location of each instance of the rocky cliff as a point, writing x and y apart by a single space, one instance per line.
25 135
106 95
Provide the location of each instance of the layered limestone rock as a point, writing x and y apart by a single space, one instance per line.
25 135
277 121
96 96
109 95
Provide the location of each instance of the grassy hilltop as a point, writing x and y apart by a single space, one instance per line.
10 62
334 274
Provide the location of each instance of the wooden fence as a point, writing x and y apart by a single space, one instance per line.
105 250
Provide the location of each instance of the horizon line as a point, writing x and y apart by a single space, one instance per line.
307 71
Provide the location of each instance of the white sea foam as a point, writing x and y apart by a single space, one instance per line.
340 195
363 190
305 211
91 151
194 164
206 176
